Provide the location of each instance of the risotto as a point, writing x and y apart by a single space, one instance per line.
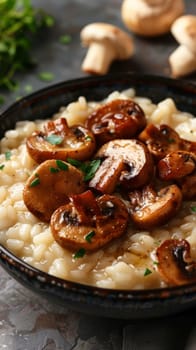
128 262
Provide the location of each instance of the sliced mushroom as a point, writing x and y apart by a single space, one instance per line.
174 262
149 209
116 119
187 185
58 141
88 222
49 187
127 162
163 140
176 165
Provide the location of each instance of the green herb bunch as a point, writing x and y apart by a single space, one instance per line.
19 22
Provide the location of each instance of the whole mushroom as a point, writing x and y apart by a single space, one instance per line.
151 17
183 59
106 43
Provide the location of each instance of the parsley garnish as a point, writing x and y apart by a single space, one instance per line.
28 88
61 165
54 139
193 209
147 272
35 182
91 169
8 155
88 138
2 166
80 253
65 39
19 23
89 236
54 170
46 76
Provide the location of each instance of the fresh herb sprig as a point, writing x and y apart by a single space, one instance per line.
20 21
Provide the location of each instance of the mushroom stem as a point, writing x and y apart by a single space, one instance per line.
182 61
98 58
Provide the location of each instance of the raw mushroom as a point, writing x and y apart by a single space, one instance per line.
116 119
176 165
174 262
106 44
183 59
49 187
127 162
58 141
149 208
89 223
162 140
151 17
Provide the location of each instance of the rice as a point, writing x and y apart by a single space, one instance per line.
122 263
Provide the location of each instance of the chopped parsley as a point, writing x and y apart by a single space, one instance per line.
88 138
65 39
54 139
61 165
89 236
35 182
147 272
80 253
28 88
54 170
8 155
2 166
193 209
46 76
89 168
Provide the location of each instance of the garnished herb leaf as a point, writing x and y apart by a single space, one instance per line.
28 88
35 182
8 155
65 39
2 166
88 138
54 170
54 139
193 209
91 169
89 236
80 253
61 165
46 76
155 262
147 272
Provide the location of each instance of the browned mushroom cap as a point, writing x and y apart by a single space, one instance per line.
49 187
174 262
163 140
176 165
89 223
149 209
187 185
127 162
116 119
58 141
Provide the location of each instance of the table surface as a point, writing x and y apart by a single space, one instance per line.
27 321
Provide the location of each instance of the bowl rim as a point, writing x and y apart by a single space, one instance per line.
8 258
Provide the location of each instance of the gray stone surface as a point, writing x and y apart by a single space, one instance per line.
27 321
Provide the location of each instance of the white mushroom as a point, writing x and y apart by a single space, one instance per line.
151 17
106 44
183 59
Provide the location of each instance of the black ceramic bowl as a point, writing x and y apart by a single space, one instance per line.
103 302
